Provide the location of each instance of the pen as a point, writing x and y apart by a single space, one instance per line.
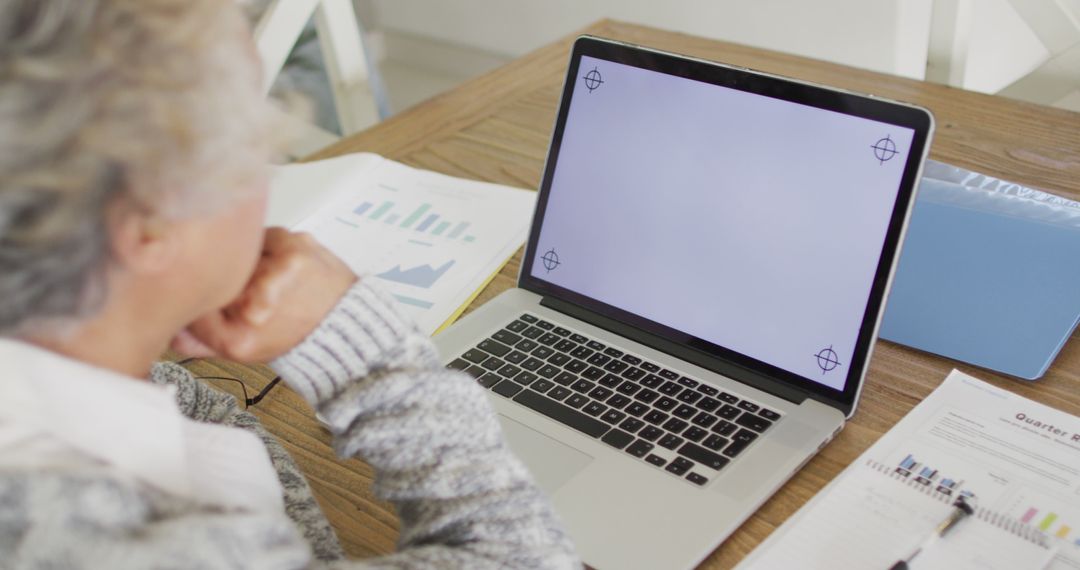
961 510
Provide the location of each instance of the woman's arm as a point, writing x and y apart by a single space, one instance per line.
464 500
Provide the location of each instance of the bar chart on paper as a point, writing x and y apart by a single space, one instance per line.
429 240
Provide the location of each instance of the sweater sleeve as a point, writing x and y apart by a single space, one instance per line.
463 498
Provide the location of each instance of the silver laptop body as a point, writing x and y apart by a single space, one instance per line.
710 255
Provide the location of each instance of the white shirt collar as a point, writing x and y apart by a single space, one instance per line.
133 426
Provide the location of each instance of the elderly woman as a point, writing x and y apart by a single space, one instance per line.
132 195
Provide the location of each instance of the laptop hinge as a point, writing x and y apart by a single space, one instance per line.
691 355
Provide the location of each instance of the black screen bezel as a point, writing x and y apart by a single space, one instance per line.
901 115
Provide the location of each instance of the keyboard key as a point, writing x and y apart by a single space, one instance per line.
593 373
704 419
749 406
532 332
599 359
689 396
458 364
633 373
559 359
594 408
708 404
509 371
670 388
578 338
688 382
696 479
545 325
715 442
611 381
515 357
631 359
704 456
618 401
488 380
475 356
650 367
685 411
559 393
561 331
475 371
754 422
583 386
596 345
613 352
651 433
656 460
565 378
674 425
547 371
615 366
541 386
656 417
708 390
679 466
576 366
640 448
493 363
600 393
670 441
768 414
725 428
531 364
646 396
506 337
560 413
548 339
629 388
525 378
543 352
630 424
496 348
612 416
729 398
665 373
728 412
665 403
526 345
651 381
576 401
739 442
507 388
528 318
695 433
581 352
517 326
617 438
636 409
565 345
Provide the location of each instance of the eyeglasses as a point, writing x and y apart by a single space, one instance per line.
248 401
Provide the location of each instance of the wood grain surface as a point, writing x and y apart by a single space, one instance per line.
496 128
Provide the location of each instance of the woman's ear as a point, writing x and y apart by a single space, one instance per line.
141 242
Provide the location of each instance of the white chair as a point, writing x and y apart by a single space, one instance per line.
1056 23
357 88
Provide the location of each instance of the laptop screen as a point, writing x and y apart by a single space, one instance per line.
750 222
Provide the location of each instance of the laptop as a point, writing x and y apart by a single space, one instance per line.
699 295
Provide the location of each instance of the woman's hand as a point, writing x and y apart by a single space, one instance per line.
294 286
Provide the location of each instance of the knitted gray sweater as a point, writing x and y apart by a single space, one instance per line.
463 499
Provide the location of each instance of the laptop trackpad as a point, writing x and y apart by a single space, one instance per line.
551 462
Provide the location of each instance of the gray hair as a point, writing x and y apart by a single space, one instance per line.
154 102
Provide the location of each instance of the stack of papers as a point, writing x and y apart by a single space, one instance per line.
433 241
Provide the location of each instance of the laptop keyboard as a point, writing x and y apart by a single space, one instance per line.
673 422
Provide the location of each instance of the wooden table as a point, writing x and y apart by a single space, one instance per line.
497 127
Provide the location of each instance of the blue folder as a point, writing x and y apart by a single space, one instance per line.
989 273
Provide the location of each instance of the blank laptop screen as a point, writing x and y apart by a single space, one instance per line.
750 222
